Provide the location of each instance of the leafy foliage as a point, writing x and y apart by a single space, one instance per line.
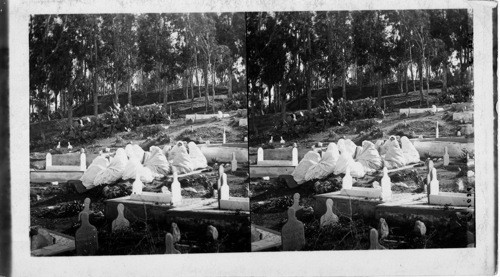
331 113
457 94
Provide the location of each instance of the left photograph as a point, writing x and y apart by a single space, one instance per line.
138 134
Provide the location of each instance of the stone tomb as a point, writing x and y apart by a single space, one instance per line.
231 203
435 146
274 168
82 166
448 198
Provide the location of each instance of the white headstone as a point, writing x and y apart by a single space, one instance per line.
420 228
385 184
374 244
459 134
282 141
169 242
224 135
224 189
383 228
329 218
137 185
48 160
296 206
176 190
295 156
69 146
234 163
58 145
120 222
271 140
347 180
245 139
434 186
83 161
446 157
176 232
437 129
221 169
260 155
164 189
86 208
434 109
220 114
460 185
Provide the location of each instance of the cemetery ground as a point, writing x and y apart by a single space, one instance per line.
446 226
56 206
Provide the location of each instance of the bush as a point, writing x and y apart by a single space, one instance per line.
330 113
239 101
107 124
456 94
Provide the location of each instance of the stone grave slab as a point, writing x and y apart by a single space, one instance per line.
235 203
63 243
270 239
271 171
42 176
435 147
191 210
346 205
416 207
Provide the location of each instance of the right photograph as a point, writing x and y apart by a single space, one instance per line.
361 132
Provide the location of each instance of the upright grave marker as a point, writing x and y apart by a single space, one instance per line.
169 243
385 184
120 222
86 242
224 189
329 218
234 163
446 157
86 208
176 190
374 244
347 180
292 233
176 232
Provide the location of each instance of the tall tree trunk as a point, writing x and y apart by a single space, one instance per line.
344 73
205 76
55 100
428 75
186 84
406 79
444 89
330 86
308 87
165 98
230 85
70 106
213 85
283 102
379 90
192 90
129 91
421 77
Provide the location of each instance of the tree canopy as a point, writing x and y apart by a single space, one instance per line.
292 53
75 59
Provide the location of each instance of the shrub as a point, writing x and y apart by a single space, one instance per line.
239 101
456 94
